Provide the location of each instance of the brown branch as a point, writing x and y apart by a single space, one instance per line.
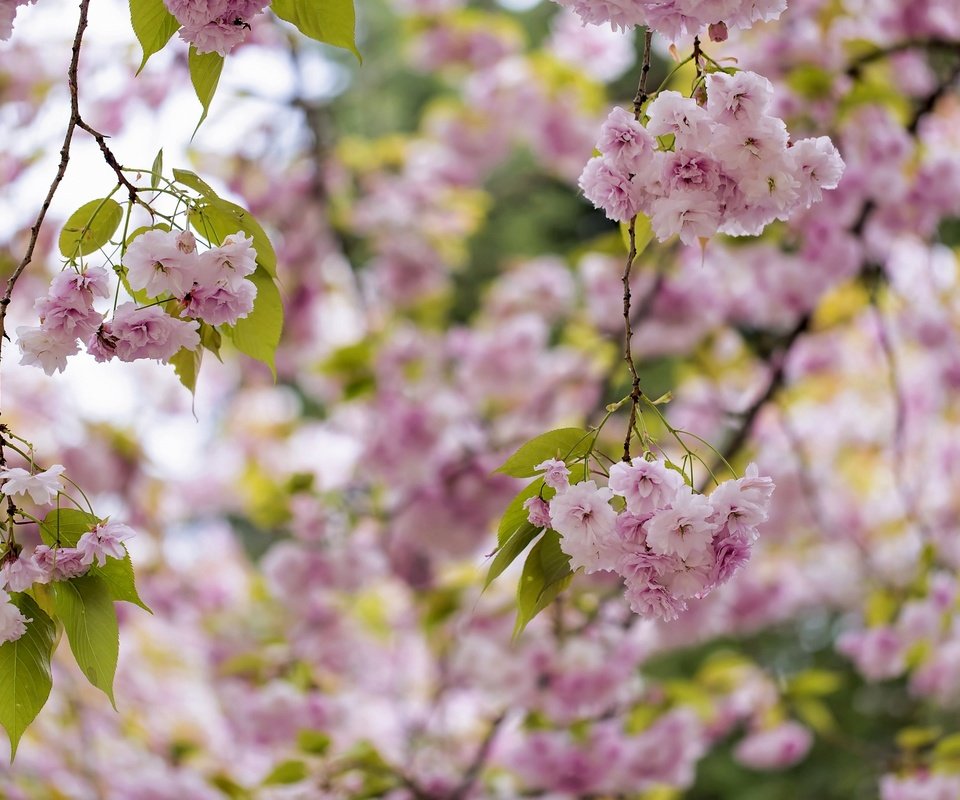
61 169
479 760
641 96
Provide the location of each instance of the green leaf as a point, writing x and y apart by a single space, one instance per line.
117 573
90 227
332 22
156 169
515 515
25 679
512 548
258 334
566 444
546 573
186 363
86 609
211 339
204 75
292 771
216 219
193 181
313 742
153 25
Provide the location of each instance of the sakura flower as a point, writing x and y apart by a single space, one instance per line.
775 748
45 348
158 266
70 283
538 512
556 473
143 333
104 540
19 574
228 264
59 564
42 487
646 485
739 98
13 624
682 529
625 143
610 190
586 522
220 304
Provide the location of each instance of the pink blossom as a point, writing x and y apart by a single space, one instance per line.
672 113
58 564
646 485
104 540
45 348
586 522
158 266
652 600
538 512
817 165
879 653
13 624
774 748
691 214
42 487
220 304
67 317
625 144
70 283
682 529
19 574
610 190
739 98
691 576
143 333
230 263
556 473
730 552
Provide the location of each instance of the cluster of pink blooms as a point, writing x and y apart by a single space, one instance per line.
8 11
727 166
210 287
214 26
46 564
669 543
677 18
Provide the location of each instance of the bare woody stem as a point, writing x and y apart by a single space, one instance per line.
75 121
61 170
636 394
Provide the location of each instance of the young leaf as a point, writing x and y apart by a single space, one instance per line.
153 25
186 363
333 22
204 75
193 181
566 444
117 573
90 227
285 772
546 573
258 334
515 515
86 609
512 548
25 678
642 233
216 219
156 169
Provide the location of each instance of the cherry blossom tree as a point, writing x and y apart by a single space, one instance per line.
557 401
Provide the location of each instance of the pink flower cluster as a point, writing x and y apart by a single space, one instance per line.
676 18
47 564
668 543
214 26
728 166
210 287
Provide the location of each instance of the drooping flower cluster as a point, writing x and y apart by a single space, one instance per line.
18 572
214 26
208 287
677 18
669 543
728 166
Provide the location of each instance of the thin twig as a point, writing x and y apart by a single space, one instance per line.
61 169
